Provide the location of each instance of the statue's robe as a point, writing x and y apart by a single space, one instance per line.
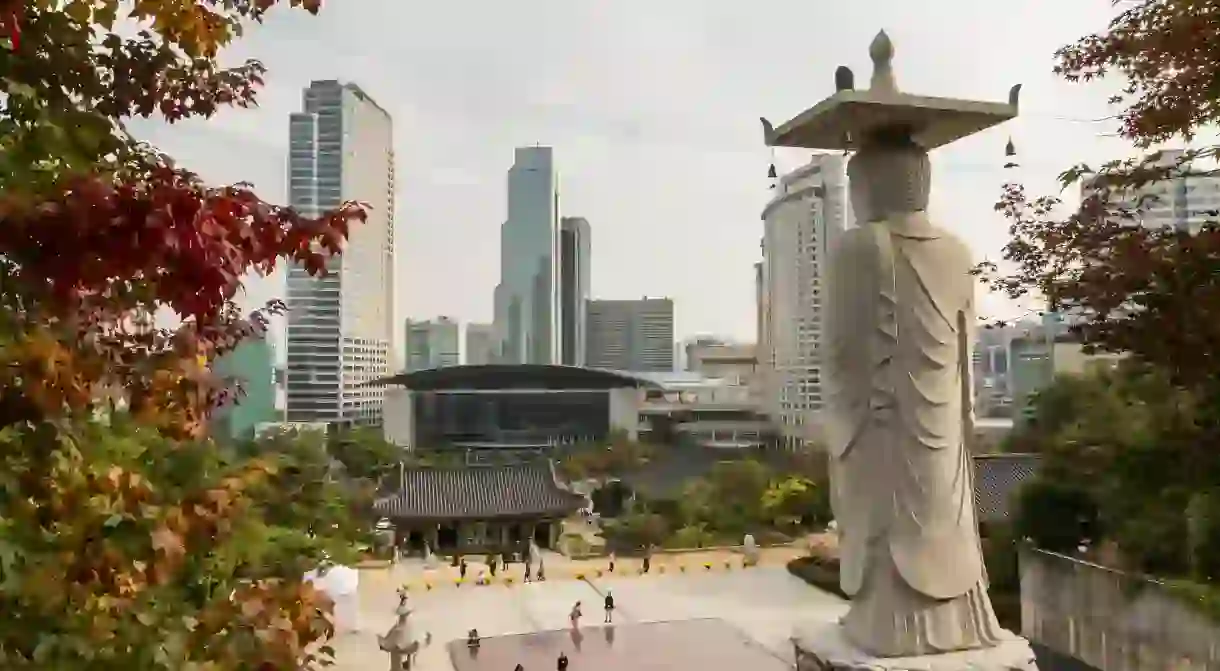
899 328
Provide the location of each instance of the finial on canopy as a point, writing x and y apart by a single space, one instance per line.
882 53
844 79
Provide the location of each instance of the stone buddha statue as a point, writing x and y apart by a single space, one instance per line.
898 328
900 319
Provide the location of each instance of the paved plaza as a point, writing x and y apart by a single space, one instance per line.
761 604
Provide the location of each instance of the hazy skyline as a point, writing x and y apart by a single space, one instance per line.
653 113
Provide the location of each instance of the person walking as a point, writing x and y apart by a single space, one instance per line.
462 569
647 561
609 607
612 562
562 663
528 568
575 615
518 668
495 565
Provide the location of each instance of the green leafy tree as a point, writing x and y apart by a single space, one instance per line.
641 530
133 544
365 453
1118 466
793 501
1152 293
736 501
311 498
1057 516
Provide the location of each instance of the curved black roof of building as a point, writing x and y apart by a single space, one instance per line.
513 376
479 492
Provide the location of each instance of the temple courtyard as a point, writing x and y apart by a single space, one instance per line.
720 618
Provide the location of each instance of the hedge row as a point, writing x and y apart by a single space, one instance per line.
823 573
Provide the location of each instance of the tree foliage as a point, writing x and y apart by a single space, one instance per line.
312 494
745 496
1123 464
1142 444
616 457
1152 292
795 501
131 543
365 454
640 531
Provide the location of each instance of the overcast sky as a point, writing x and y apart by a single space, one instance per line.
652 108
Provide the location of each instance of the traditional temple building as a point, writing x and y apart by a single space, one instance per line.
493 508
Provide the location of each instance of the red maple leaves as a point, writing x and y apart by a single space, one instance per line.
10 21
187 245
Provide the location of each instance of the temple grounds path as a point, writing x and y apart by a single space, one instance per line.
764 602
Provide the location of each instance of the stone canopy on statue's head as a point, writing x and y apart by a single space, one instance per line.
851 117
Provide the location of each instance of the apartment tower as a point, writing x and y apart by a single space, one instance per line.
809 209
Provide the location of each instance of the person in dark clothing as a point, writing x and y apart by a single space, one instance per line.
527 571
518 668
494 565
562 662
647 562
609 607
462 569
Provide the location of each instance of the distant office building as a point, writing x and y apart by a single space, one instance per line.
631 335
432 344
734 362
686 346
760 306
809 210
250 367
340 327
574 250
1184 202
480 344
526 299
1041 351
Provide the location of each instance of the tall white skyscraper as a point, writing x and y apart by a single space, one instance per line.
340 327
527 298
810 208
574 280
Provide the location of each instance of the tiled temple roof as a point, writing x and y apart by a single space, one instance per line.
479 492
997 477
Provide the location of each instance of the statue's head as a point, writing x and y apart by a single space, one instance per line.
890 174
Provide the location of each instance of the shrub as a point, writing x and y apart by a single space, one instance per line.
1056 516
820 572
690 536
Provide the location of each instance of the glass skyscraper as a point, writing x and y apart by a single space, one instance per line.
574 252
526 299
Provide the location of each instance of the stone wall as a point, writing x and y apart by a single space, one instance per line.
1112 620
